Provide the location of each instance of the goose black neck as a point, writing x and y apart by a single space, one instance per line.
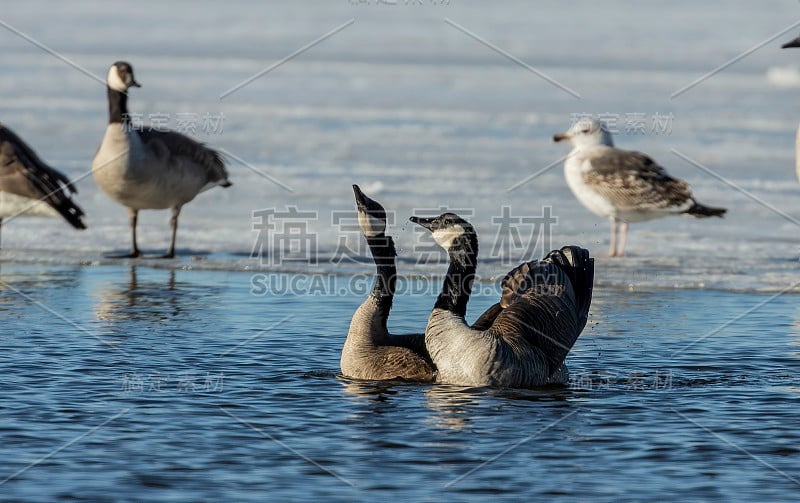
383 253
457 285
117 107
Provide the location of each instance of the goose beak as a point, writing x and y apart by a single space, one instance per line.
426 222
361 199
135 84
793 43
561 137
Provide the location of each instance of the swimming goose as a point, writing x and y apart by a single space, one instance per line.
28 186
370 351
150 169
545 306
622 185
787 45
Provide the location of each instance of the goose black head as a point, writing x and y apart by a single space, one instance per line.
793 43
371 215
454 234
120 77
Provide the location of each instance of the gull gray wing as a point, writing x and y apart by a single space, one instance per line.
632 180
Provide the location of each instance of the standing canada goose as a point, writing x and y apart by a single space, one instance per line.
28 186
622 185
370 351
526 344
788 45
149 169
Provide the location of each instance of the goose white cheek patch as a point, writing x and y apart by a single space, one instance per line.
445 237
370 225
114 80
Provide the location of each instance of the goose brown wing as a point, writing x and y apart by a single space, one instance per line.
402 363
172 144
23 173
550 307
414 342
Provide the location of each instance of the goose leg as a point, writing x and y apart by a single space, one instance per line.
612 249
1 225
134 253
173 221
134 220
623 235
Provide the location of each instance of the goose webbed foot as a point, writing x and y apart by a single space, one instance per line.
131 254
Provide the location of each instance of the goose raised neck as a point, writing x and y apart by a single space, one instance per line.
370 351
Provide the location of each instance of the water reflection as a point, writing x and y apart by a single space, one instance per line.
35 280
152 295
451 405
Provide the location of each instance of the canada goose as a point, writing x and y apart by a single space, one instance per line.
370 351
622 185
787 45
28 186
545 305
143 168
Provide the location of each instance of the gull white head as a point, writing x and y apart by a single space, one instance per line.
586 133
120 77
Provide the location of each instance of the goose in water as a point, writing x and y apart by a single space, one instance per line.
149 169
622 185
788 45
370 351
544 307
28 186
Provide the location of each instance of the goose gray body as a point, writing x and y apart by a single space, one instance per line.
543 311
149 169
621 185
30 187
370 352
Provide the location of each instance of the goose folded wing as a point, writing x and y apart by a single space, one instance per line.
23 173
414 342
171 145
402 363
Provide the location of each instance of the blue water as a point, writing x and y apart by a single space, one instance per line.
125 383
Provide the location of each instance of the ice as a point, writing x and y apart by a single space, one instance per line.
422 116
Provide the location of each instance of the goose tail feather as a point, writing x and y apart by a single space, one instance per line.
576 263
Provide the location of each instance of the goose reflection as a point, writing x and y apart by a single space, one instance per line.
455 407
141 300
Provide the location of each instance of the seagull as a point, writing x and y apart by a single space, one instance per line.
622 185
28 186
150 169
788 45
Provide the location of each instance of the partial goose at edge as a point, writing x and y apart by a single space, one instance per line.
30 187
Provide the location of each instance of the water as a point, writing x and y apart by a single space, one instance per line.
171 384
215 376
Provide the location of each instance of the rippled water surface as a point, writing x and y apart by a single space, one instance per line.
131 383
